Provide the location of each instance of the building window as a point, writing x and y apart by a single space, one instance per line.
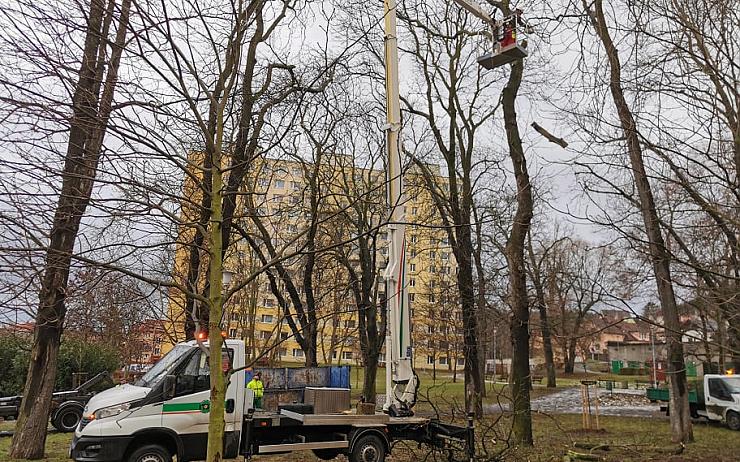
432 254
430 359
413 239
232 333
297 353
432 298
446 269
412 282
263 182
445 255
430 329
284 335
346 355
349 323
432 269
266 318
460 361
412 267
265 334
279 184
413 253
295 185
443 360
414 210
445 241
412 296
283 352
432 284
268 302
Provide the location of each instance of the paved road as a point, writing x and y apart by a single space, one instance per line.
568 401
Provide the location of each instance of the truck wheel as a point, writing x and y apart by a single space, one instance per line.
368 448
733 420
66 418
326 454
150 453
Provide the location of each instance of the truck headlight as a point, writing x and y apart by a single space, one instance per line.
111 411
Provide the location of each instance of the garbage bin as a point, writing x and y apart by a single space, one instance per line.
616 366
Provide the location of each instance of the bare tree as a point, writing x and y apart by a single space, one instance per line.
659 255
91 90
540 276
451 115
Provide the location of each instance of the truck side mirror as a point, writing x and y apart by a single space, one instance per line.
169 386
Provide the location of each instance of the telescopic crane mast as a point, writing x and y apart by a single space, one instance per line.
401 381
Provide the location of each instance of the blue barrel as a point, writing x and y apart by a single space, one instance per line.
339 377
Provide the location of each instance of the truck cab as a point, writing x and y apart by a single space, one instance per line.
722 399
167 408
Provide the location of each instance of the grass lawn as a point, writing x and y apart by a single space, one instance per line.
57 444
629 439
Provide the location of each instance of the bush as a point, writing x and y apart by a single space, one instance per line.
75 355
14 356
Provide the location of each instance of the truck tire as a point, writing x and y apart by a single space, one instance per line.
150 453
67 417
326 454
368 448
733 420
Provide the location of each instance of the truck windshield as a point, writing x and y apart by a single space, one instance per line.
733 384
163 367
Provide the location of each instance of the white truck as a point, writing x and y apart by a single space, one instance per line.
165 414
717 398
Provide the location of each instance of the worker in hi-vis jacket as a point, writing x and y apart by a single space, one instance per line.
258 388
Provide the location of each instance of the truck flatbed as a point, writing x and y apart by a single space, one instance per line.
355 420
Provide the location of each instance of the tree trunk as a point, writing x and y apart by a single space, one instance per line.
481 303
679 398
369 377
216 424
521 380
473 382
538 283
91 111
570 360
547 346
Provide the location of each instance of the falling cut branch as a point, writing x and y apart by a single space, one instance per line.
550 137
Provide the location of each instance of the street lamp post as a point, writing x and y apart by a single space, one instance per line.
652 345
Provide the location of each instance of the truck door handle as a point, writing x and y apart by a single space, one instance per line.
230 405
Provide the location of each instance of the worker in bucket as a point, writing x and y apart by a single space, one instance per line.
258 388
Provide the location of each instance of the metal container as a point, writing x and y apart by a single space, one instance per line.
327 400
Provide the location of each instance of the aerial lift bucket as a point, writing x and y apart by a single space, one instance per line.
509 43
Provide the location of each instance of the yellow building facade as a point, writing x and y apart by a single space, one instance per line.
282 195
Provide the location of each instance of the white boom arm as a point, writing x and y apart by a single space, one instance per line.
476 10
401 380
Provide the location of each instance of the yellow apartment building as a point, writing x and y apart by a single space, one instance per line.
279 195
